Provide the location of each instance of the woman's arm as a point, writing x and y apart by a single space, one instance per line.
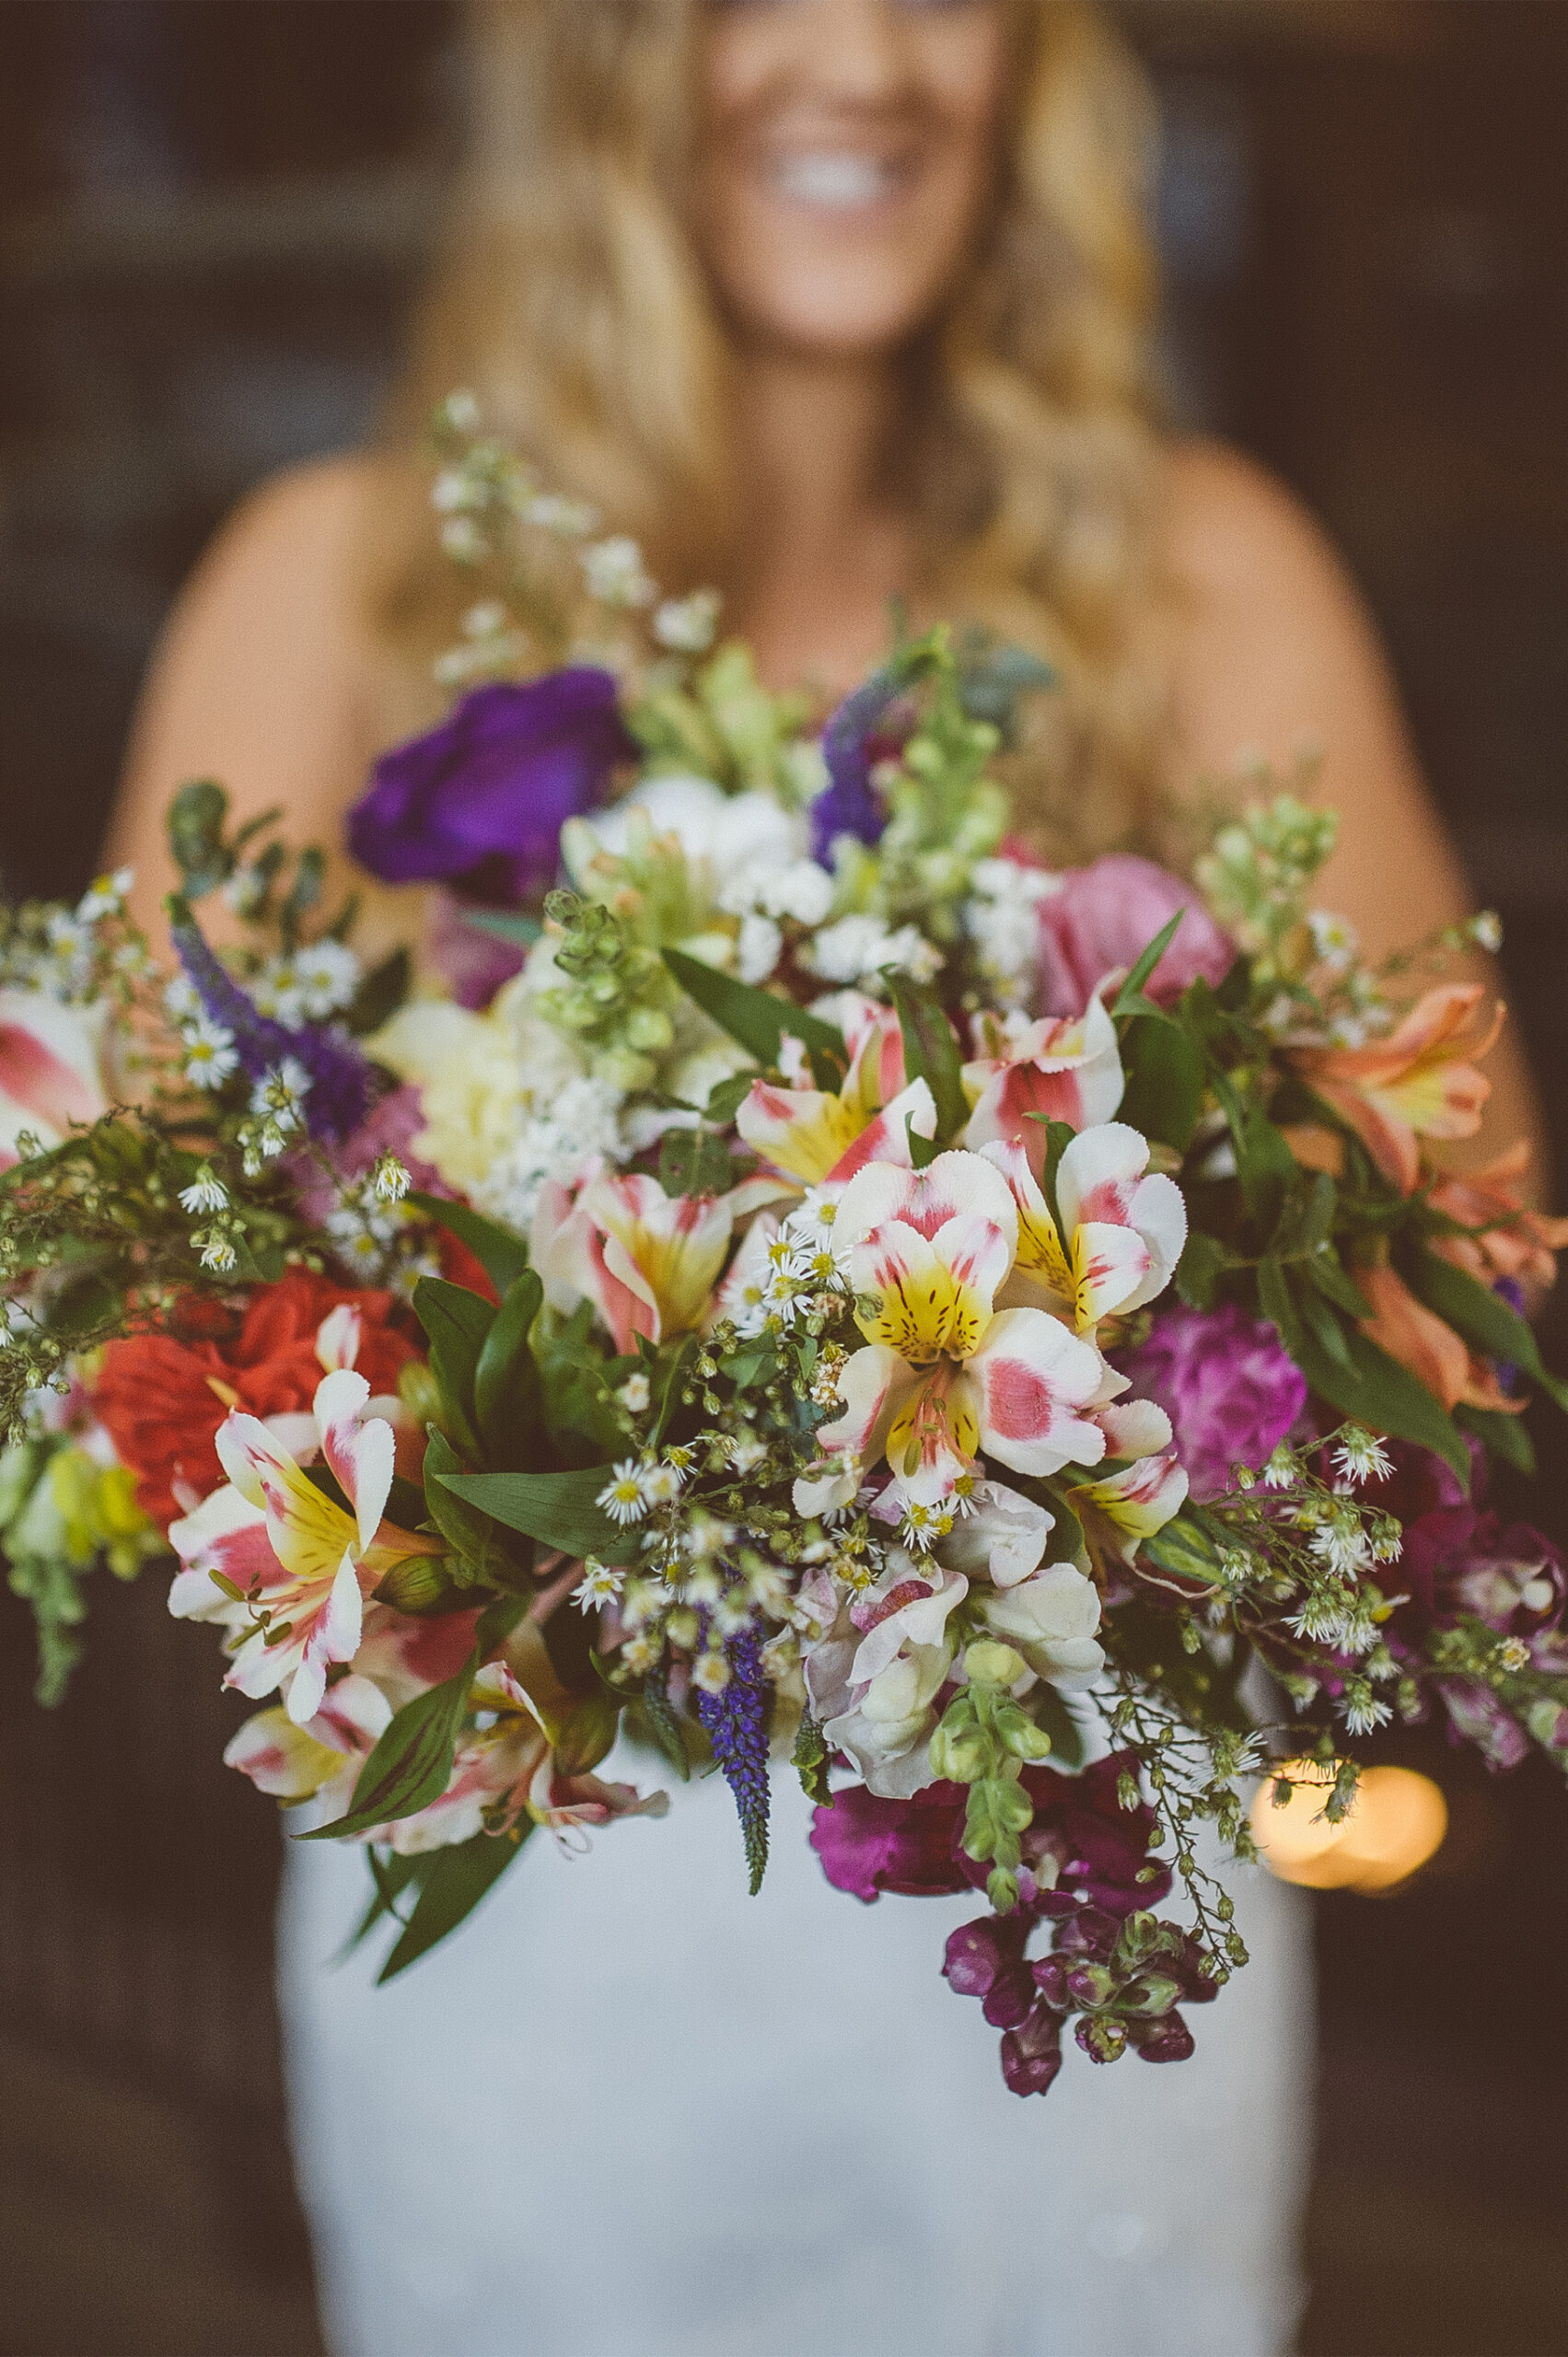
1275 649
265 681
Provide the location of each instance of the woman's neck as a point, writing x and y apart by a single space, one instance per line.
823 549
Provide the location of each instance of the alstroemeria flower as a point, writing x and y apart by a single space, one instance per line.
320 1760
290 1550
875 1675
51 1068
1420 1081
821 1137
946 1374
1513 1240
648 1262
1427 1344
1122 1234
1064 1069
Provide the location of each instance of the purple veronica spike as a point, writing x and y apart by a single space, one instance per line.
342 1080
848 804
737 1726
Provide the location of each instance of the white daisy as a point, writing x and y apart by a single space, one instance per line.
621 1497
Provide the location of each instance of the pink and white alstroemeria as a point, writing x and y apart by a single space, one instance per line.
51 1068
1121 1233
821 1137
648 1262
1141 1494
1063 1068
504 1769
875 1675
945 1373
321 1760
290 1550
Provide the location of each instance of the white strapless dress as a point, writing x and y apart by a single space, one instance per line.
627 2111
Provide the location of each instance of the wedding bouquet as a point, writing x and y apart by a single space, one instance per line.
814 1286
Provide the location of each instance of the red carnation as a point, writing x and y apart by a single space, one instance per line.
163 1398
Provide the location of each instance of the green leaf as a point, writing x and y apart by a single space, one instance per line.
694 1162
931 1052
502 1256
558 1509
1163 1068
389 1877
502 924
380 993
758 1020
1264 1163
810 1760
663 1724
458 1322
411 1764
1274 1301
725 1098
1066 1736
194 826
674 1384
1376 1391
1203 1263
459 1880
1504 1435
1130 999
1328 1329
507 1396
1482 1317
474 1536
1326 1270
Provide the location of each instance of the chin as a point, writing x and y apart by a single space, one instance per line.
832 302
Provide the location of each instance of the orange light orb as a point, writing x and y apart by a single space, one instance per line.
1396 1822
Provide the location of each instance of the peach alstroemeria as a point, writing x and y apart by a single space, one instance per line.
647 1261
1061 1069
291 1550
945 1373
1509 1239
51 1068
1121 1233
1420 1082
1425 1343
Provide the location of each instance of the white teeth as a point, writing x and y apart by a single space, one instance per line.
833 181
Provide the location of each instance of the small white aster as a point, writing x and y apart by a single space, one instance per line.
205 1194
1361 1456
634 1395
210 1052
621 1497
659 1485
711 1672
599 1584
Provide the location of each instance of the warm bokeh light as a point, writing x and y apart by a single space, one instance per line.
1397 1822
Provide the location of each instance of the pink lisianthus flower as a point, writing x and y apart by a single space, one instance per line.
1105 917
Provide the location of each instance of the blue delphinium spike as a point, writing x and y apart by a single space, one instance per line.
342 1081
736 1720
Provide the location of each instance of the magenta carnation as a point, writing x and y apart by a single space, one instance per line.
1105 917
1227 1386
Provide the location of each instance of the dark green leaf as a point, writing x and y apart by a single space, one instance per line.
1482 1317
456 1322
1326 1273
1328 1329
195 837
1164 1069
558 1509
1066 1736
458 1881
390 1876
473 1536
411 1764
1200 1269
1274 1301
380 993
495 1624
931 1052
1376 1391
1504 1435
1264 1163
504 924
502 1256
1130 999
759 1021
506 1396
694 1162
1186 1548
725 1098
663 1723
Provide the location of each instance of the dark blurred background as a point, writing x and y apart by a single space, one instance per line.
212 213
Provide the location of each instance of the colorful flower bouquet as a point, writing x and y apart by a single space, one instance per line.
817 1286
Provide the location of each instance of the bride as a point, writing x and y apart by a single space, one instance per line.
828 301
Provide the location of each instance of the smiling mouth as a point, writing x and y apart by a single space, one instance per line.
834 181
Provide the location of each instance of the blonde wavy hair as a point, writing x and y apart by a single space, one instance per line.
571 301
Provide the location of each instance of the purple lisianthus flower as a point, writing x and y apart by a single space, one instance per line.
1105 917
1227 1384
495 782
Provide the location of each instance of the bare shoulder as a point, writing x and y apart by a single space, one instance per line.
1233 530
288 551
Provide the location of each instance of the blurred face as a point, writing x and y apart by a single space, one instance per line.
847 160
